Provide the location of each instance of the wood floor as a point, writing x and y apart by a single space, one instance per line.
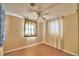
38 50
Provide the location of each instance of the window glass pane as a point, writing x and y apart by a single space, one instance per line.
56 27
29 29
26 29
32 30
53 27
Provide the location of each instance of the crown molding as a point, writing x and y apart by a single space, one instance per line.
13 14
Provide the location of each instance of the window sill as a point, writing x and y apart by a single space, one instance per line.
30 36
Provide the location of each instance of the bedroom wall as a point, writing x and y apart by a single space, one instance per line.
15 34
71 33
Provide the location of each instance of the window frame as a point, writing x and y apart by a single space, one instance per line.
30 21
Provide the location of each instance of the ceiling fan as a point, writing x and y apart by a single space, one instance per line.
39 13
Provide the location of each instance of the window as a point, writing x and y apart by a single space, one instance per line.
30 28
55 26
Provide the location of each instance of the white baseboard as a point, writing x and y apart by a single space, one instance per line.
62 49
75 54
22 47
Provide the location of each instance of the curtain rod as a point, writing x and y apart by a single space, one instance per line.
56 18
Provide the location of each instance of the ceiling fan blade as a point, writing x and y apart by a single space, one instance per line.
43 18
46 14
38 17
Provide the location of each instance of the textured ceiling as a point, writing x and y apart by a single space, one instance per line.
49 10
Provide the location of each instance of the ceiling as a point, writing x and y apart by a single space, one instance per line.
48 10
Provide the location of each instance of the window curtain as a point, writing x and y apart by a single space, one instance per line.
30 28
55 30
2 25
